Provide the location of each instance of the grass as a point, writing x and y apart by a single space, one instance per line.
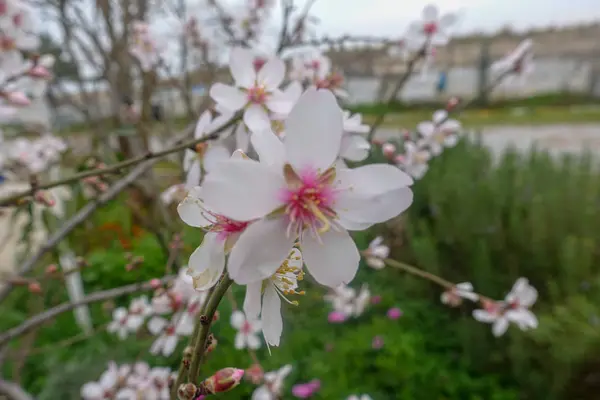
477 118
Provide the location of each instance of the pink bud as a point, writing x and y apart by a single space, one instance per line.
223 380
377 343
155 283
51 269
40 72
18 99
388 150
376 299
394 313
336 317
35 288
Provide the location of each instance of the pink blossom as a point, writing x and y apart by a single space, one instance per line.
18 99
306 390
394 313
336 317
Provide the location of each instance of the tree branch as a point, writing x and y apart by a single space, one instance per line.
13 391
39 319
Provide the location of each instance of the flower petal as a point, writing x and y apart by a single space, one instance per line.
280 103
332 262
314 131
271 316
203 123
484 316
372 180
237 319
193 175
191 210
214 155
354 148
269 148
430 13
169 345
228 97
207 262
271 74
242 138
256 118
243 190
252 301
241 65
259 251
500 326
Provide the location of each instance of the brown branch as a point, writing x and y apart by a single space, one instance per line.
62 308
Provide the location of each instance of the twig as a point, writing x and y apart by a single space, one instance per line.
111 193
178 145
13 391
62 308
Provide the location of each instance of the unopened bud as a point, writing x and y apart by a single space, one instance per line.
51 269
388 150
187 391
211 344
216 316
222 381
35 288
155 283
255 374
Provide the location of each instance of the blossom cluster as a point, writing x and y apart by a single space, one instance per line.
169 315
347 302
23 156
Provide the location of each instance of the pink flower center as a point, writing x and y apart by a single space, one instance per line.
430 28
308 200
227 227
257 95
246 328
170 330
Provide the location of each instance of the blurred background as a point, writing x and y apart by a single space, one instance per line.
519 196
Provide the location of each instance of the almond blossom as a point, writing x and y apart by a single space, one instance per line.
256 92
454 296
17 26
354 146
414 161
347 302
432 29
376 252
264 298
514 308
440 132
296 193
273 384
248 329
517 64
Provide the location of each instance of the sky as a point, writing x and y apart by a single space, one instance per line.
391 17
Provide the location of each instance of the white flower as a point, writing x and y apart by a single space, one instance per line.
123 323
414 161
376 252
207 154
295 192
454 296
432 29
167 341
207 262
139 310
18 27
264 297
514 308
106 386
248 329
310 66
354 146
271 389
440 132
361 397
361 301
341 299
519 63
256 93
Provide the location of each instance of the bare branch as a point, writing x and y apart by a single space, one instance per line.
13 391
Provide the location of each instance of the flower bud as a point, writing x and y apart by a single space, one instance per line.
51 269
389 150
155 283
35 288
187 391
255 374
18 99
223 380
39 72
212 344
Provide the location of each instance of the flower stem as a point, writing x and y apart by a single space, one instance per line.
201 331
418 272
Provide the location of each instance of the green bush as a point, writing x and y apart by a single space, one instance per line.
473 219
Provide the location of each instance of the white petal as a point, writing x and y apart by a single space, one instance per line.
332 262
237 319
372 180
256 118
440 116
169 345
484 316
293 91
426 129
253 342
92 391
280 103
203 123
500 326
252 301
191 209
156 325
207 262
241 65
240 341
262 393
214 155
229 97
242 138
193 175
353 208
243 190
354 148
466 286
119 313
271 74
430 13
271 316
314 131
259 251
269 148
